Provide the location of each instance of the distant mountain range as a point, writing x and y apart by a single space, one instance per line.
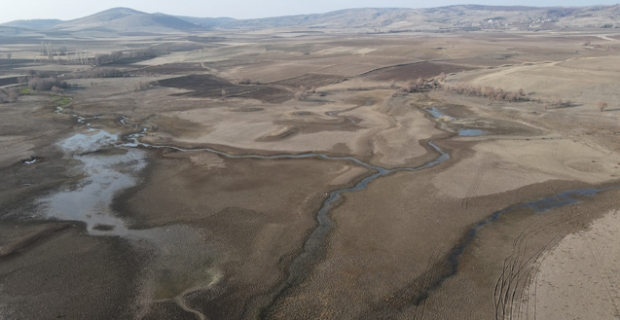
124 20
113 20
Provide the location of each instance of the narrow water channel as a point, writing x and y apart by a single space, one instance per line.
108 174
314 246
313 249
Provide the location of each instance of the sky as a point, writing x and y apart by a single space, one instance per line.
240 9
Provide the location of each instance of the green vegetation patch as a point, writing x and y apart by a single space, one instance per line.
26 91
63 101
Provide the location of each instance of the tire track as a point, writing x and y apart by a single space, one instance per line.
473 188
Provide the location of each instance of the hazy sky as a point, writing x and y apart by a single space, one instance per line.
70 9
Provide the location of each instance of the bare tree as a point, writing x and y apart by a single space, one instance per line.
557 102
45 84
57 90
419 83
145 85
442 77
48 48
13 94
602 105
489 92
407 87
300 94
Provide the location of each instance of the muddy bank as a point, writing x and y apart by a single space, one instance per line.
313 245
243 210
19 244
100 284
575 279
500 265
408 241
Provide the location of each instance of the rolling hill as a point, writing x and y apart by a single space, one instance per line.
467 17
114 20
461 16
34 24
124 19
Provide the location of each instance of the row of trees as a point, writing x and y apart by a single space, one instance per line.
108 58
418 85
37 83
499 94
247 81
302 93
144 86
489 92
118 55
99 73
412 86
79 56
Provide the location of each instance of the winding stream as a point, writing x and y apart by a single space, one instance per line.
179 261
189 248
313 248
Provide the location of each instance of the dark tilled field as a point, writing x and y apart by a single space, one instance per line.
310 80
175 68
413 71
8 65
206 39
209 86
7 81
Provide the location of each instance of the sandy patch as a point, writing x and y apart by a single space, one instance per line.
581 80
579 278
345 50
500 166
347 176
201 159
396 145
390 141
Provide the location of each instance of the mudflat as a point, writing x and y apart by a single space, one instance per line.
296 174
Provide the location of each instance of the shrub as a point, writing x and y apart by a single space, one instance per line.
144 85
57 90
46 84
442 77
10 95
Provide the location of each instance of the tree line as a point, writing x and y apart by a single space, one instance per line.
489 92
